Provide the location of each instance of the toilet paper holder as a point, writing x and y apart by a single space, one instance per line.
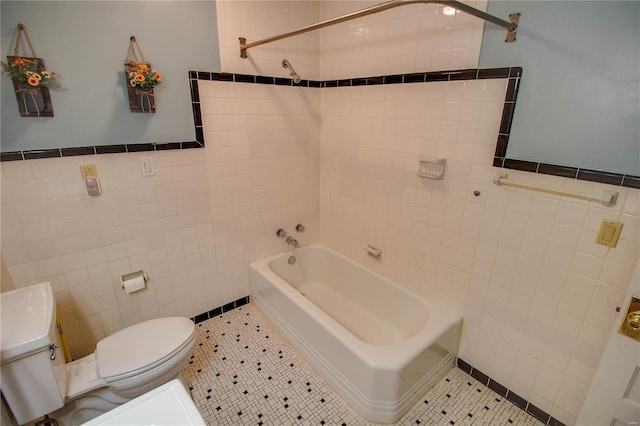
134 275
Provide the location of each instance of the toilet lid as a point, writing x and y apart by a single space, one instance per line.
142 346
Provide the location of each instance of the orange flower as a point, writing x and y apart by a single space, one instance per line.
21 61
142 75
33 80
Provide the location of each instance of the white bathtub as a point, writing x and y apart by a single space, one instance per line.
379 346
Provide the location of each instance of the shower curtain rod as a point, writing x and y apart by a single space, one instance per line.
511 25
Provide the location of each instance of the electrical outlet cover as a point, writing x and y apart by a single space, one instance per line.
88 170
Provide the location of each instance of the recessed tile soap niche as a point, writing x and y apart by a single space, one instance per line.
431 168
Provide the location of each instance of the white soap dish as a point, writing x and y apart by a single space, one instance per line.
431 168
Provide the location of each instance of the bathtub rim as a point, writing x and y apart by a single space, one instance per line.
384 357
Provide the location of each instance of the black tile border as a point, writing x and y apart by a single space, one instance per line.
97 150
512 397
631 181
41 153
616 179
167 146
140 147
11 156
103 149
111 149
596 176
498 388
480 376
513 74
124 148
494 73
525 166
85 150
220 310
550 169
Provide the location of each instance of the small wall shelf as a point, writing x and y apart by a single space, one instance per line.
431 168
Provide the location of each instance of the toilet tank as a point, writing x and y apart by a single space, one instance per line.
33 374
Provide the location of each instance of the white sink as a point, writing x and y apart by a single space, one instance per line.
169 404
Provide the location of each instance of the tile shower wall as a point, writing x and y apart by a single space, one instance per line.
255 20
538 296
407 39
516 264
194 226
414 38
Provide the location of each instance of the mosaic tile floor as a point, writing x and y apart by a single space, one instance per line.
243 372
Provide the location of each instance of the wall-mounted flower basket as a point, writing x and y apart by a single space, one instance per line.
141 80
31 80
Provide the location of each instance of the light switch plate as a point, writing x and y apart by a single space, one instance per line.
146 166
609 233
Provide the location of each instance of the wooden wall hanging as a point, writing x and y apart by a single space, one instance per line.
141 80
31 80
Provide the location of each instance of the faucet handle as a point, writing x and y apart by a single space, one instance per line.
281 233
300 227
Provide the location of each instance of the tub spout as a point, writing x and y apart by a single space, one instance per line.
292 242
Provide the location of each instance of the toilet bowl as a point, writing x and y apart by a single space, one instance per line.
36 381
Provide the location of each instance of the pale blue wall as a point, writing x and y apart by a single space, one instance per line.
579 103
86 42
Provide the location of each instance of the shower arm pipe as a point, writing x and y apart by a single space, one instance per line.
511 25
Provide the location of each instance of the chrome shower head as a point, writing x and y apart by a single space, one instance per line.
292 73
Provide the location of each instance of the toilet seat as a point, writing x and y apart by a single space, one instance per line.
156 341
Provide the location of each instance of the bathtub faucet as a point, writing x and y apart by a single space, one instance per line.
292 242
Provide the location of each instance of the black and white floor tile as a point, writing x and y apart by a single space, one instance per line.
242 372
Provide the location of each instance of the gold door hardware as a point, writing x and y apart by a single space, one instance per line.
631 321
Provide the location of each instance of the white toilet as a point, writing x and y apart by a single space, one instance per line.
36 381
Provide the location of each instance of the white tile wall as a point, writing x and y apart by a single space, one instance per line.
413 38
194 226
406 39
538 296
257 20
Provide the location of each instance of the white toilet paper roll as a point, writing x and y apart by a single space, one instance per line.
134 284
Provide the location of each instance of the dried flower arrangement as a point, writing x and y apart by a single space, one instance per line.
28 71
141 79
142 75
31 80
